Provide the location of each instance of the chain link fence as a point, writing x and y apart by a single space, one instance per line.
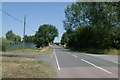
19 45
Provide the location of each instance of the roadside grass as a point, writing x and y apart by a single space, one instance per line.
98 51
13 67
41 51
118 52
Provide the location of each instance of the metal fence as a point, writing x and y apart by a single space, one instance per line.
19 45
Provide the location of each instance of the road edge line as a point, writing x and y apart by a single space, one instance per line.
97 66
68 52
58 66
74 55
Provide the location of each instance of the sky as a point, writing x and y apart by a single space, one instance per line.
37 13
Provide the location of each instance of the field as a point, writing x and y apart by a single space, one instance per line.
41 51
26 68
18 67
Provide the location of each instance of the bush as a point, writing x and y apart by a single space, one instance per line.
3 44
57 43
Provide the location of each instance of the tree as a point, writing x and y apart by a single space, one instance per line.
29 39
17 38
4 44
115 32
93 14
64 39
45 34
12 37
101 22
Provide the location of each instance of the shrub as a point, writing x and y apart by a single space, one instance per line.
3 44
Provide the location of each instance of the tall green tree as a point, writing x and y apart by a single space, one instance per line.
93 14
4 44
12 37
101 21
45 34
64 38
29 39
17 38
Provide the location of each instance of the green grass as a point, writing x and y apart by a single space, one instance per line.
42 51
13 67
99 51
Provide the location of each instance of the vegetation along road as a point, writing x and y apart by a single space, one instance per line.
80 65
67 64
87 46
30 63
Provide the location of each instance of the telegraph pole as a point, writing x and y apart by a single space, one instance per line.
24 32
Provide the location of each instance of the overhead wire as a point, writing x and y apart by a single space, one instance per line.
30 28
16 19
11 16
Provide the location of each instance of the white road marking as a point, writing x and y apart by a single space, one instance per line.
68 52
96 66
95 55
116 62
58 66
74 55
101 57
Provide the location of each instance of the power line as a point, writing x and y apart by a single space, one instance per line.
30 28
11 16
17 19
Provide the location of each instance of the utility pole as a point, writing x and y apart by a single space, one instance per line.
24 32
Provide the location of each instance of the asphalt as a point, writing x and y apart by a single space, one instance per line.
79 66
70 64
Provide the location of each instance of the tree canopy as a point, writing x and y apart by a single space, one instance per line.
45 34
12 37
29 39
94 14
93 25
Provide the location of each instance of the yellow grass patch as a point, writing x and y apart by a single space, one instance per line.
41 51
26 68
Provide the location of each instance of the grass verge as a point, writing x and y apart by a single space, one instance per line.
41 51
99 51
13 67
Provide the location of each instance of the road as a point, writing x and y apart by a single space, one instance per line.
72 64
